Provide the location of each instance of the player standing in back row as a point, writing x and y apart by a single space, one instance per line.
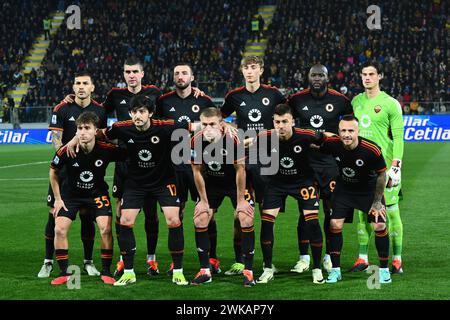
319 108
254 105
181 105
380 120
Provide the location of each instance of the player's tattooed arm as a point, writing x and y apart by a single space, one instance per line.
57 139
378 208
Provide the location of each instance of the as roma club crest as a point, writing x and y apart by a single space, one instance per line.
377 109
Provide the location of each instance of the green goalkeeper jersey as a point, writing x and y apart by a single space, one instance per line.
380 120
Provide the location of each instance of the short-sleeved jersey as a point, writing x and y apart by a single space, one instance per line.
319 113
358 168
172 106
86 172
292 155
118 100
149 152
65 114
218 158
380 120
254 111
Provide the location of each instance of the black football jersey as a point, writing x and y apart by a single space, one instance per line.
290 157
65 114
85 174
254 111
149 152
321 114
218 158
118 100
172 106
358 168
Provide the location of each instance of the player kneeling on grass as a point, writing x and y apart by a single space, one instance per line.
218 165
360 185
85 189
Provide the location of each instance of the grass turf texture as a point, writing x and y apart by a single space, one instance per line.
23 214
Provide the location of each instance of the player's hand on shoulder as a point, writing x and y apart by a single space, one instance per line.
73 146
69 98
198 92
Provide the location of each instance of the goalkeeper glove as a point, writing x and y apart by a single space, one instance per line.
394 174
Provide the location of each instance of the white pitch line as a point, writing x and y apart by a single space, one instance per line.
24 164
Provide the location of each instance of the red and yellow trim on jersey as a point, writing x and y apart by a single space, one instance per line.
163 122
332 139
234 91
303 92
370 146
336 93
105 145
61 151
125 123
55 129
59 106
308 132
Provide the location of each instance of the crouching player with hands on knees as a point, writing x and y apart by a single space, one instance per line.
360 185
85 190
218 164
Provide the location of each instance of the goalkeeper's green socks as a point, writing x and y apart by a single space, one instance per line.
395 228
364 232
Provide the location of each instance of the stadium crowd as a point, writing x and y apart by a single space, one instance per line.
211 37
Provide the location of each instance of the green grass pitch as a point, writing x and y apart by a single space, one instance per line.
23 214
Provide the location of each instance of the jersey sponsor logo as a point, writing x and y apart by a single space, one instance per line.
305 108
154 139
377 109
75 164
359 163
71 118
123 102
195 108
86 176
316 121
54 119
254 115
329 107
214 166
184 118
145 155
243 104
265 101
365 121
130 141
348 172
172 109
297 149
98 163
287 162
56 160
